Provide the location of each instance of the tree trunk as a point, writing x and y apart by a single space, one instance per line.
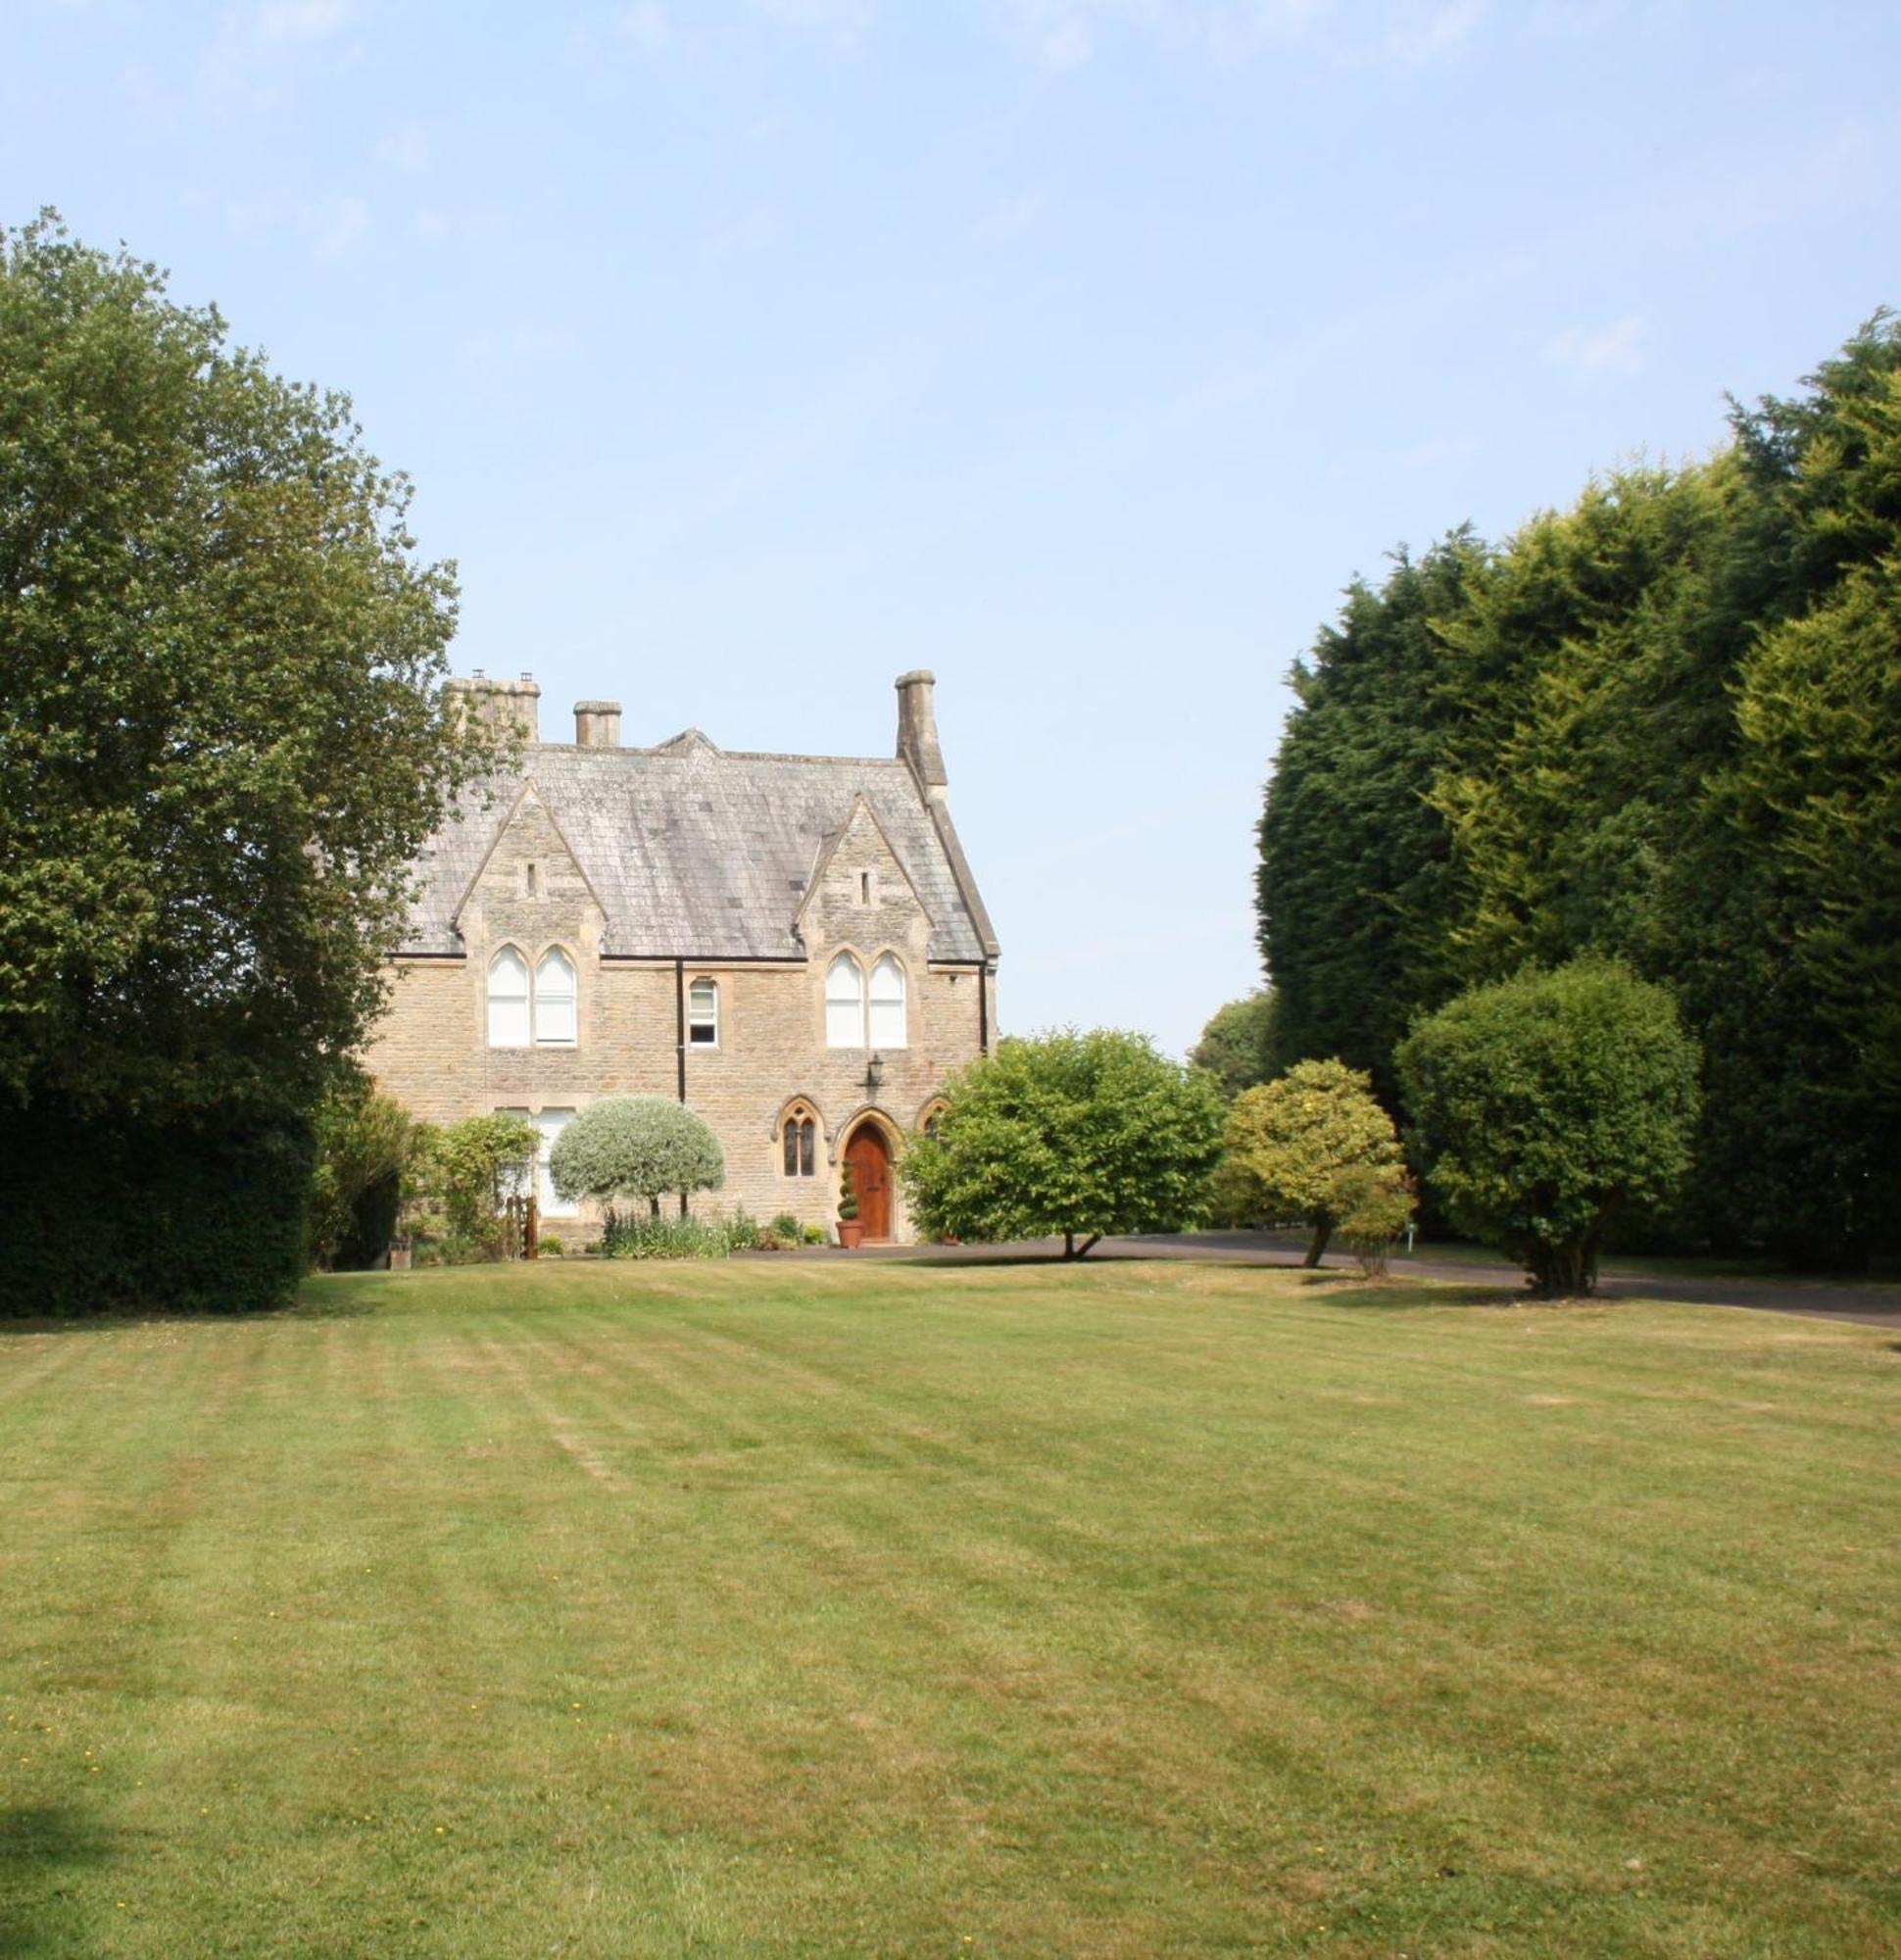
1323 1230
1566 1269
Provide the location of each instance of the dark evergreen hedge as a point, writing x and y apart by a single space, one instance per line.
106 1214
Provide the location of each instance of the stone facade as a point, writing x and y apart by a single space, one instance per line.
880 876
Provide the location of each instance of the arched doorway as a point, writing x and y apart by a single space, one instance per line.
869 1156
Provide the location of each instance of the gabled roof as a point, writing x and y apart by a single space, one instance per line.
697 852
829 843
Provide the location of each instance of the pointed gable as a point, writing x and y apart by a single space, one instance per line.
692 850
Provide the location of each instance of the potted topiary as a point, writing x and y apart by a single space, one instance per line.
849 1228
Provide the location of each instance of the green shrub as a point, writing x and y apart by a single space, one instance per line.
365 1144
1377 1206
1549 1103
635 1238
551 1247
461 1177
201 1216
848 1193
744 1233
786 1229
814 1235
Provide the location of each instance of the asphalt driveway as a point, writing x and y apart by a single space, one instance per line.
1871 1302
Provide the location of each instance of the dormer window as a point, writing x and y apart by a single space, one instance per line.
702 1014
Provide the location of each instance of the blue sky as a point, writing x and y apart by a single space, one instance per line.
747 352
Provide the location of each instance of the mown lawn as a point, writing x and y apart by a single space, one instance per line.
804 1607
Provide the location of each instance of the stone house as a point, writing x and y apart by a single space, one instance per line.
792 946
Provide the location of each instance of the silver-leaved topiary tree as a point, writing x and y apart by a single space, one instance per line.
636 1147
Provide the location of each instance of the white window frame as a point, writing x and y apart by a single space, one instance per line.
841 1007
551 1202
875 1037
522 1001
696 1021
568 996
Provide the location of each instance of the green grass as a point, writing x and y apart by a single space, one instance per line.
813 1608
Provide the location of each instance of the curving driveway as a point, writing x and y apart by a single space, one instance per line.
1871 1303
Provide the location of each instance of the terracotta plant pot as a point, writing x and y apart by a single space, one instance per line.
850 1232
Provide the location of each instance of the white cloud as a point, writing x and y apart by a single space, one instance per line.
341 224
1615 349
300 20
645 26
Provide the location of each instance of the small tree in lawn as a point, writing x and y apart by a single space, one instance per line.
1312 1144
1547 1103
636 1147
1077 1134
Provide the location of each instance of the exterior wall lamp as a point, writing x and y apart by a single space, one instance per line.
874 1073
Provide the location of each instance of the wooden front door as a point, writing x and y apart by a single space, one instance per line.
870 1162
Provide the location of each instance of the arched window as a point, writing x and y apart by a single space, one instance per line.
845 1002
932 1115
888 1003
555 1000
800 1143
508 999
702 1014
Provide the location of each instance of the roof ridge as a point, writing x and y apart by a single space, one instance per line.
725 755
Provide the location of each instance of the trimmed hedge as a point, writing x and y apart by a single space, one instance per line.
110 1215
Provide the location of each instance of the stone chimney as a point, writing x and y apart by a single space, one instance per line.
503 704
917 728
597 724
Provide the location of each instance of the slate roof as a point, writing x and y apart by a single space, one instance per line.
697 852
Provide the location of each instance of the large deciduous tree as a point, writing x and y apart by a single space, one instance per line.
224 740
1071 1134
223 736
1547 1103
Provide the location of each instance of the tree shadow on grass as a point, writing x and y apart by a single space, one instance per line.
37 1843
1411 1296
